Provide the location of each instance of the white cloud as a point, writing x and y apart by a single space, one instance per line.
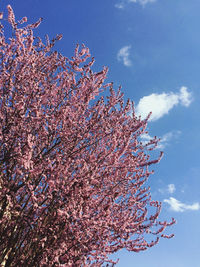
146 138
123 55
122 4
142 2
185 96
171 188
167 137
119 5
164 140
178 206
161 104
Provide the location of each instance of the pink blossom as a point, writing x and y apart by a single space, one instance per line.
11 16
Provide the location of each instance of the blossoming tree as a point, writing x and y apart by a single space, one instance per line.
73 171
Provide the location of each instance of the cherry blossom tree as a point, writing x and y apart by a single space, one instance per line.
73 169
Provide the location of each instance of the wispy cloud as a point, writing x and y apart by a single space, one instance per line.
178 206
119 5
124 54
161 104
164 140
171 188
142 2
122 4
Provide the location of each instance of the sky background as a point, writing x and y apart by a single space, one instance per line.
152 49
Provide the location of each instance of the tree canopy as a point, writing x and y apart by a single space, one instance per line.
73 169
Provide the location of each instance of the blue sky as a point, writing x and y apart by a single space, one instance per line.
152 49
